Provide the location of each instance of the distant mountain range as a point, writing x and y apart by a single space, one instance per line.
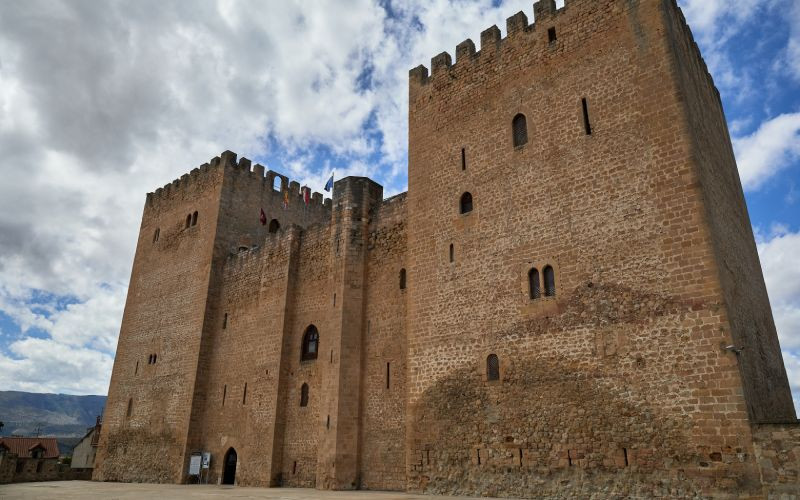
59 415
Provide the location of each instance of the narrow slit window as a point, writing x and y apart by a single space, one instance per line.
534 284
244 394
452 253
136 371
492 367
463 158
225 321
466 203
586 124
156 235
155 358
519 127
304 395
188 220
549 282
334 300
551 34
625 455
294 467
224 393
129 412
194 219
388 374
402 279
479 456
328 422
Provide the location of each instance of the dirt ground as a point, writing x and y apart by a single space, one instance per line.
89 490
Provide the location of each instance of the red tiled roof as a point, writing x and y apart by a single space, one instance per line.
23 446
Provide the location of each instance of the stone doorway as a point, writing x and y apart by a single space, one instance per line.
229 467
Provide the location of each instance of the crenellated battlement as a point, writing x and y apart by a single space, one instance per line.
227 161
491 41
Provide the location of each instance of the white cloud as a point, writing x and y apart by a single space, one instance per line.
771 148
779 253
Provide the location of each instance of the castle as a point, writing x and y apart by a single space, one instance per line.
566 302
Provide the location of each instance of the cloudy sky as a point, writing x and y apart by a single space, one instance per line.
103 101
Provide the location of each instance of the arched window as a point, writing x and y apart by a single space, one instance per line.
310 343
466 203
188 220
274 225
492 367
194 219
129 412
549 282
534 284
519 128
277 183
402 279
304 395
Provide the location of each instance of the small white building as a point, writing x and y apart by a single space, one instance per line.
85 451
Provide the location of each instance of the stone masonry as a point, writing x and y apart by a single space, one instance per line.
567 301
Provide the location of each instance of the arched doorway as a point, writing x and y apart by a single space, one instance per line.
229 467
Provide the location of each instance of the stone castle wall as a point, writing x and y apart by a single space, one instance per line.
617 383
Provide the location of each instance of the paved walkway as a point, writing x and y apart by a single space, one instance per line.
89 490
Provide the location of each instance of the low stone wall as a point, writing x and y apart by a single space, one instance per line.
777 449
22 470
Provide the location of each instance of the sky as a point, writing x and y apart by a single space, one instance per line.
102 102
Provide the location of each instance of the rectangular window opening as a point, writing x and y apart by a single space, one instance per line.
244 394
463 158
625 454
452 253
479 456
334 300
586 124
224 393
331 356
225 321
551 34
569 458
294 467
136 371
520 457
387 374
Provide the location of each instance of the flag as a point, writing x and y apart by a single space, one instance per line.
306 195
263 218
329 184
286 199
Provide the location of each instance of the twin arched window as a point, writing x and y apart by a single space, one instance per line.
310 344
534 284
519 130
191 219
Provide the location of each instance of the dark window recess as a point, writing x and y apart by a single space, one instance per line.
304 395
586 124
224 393
452 253
625 455
294 467
274 225
334 300
136 370
463 158
466 203
519 128
331 355
388 374
328 422
188 220
194 219
225 321
156 234
310 343
492 367
551 34
402 279
244 394
534 283
549 282
129 412
569 458
479 456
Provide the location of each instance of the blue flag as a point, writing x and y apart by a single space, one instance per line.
329 184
